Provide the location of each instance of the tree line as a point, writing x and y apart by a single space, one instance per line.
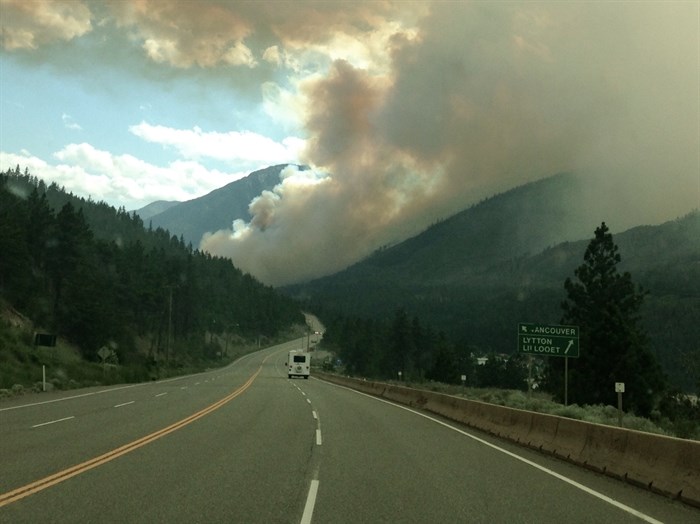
96 276
603 302
404 348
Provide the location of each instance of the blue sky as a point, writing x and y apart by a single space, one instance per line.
81 90
406 111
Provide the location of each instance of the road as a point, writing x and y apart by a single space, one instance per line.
246 444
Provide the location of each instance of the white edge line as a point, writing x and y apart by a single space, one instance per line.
52 422
73 397
559 476
127 386
310 503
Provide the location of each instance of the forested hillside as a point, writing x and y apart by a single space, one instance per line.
95 276
476 275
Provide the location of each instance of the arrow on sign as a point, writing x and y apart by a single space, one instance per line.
571 343
524 329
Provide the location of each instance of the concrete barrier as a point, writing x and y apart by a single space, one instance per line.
543 433
665 465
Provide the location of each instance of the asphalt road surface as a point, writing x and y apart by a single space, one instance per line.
245 444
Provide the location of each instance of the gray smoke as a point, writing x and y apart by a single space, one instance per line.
486 97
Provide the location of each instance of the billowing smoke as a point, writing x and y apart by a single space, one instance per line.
484 97
415 110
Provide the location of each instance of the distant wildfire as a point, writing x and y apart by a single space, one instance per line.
406 112
481 98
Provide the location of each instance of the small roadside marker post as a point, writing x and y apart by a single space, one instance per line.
619 389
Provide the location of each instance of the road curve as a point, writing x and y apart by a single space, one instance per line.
246 444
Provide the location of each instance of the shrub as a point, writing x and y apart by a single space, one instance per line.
18 389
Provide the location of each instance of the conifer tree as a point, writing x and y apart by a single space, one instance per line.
614 348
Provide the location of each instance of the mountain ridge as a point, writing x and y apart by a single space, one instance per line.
218 209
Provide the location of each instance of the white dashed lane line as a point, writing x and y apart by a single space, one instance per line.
310 503
319 439
313 488
52 422
48 423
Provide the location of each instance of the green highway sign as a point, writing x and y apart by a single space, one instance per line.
548 340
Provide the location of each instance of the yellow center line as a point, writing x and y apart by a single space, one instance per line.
51 480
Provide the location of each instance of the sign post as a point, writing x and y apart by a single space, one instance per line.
566 381
549 340
619 389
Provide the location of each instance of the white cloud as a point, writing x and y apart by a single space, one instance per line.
284 106
120 180
234 147
69 123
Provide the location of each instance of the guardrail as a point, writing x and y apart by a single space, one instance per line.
665 465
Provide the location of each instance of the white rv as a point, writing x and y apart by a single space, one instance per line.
298 364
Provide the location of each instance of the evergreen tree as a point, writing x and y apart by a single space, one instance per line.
400 346
15 277
614 348
446 366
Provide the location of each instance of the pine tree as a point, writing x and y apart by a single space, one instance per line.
401 346
614 348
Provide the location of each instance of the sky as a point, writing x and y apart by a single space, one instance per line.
405 111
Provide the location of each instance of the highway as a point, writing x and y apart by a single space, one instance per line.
245 444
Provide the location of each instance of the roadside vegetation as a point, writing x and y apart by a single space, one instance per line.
603 302
542 402
23 364
677 416
124 302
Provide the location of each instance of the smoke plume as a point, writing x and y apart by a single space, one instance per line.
413 111
481 98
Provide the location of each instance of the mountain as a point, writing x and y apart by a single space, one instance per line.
462 249
477 274
216 210
519 222
155 208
